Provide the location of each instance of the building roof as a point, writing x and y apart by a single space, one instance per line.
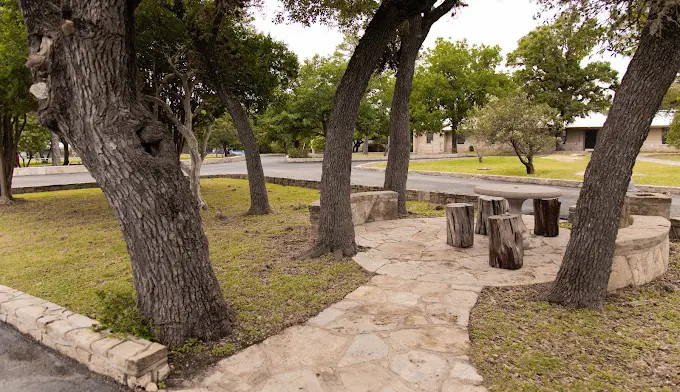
596 120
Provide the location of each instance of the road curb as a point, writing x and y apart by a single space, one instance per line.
523 180
131 361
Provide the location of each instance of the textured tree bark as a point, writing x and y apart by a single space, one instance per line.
11 128
55 150
336 231
5 187
186 128
396 174
259 199
583 277
88 79
506 249
460 222
486 207
66 152
547 217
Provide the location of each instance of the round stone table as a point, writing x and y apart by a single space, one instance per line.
516 194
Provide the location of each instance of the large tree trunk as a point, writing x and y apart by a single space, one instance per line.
66 152
584 274
396 174
530 164
259 199
336 232
55 150
88 80
10 132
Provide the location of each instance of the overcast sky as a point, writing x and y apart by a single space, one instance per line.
490 22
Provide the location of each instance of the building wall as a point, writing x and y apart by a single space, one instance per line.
438 145
442 144
576 141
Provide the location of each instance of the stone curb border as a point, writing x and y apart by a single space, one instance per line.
46 170
131 361
524 180
411 194
434 157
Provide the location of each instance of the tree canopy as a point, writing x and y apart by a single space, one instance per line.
302 113
453 79
549 66
516 121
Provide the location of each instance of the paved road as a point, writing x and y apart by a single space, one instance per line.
26 366
276 166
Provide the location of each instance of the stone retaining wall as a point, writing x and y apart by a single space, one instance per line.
651 204
366 207
642 252
130 361
436 197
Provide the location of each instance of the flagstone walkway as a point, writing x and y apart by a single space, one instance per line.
405 331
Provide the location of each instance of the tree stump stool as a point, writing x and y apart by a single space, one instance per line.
547 217
506 249
486 207
460 218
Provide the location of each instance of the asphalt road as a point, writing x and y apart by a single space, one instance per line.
26 366
276 166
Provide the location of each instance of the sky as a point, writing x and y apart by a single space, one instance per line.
490 22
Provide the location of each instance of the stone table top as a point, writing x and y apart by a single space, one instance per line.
518 191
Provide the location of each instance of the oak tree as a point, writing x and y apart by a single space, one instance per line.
82 59
584 274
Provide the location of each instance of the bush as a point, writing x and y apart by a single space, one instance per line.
318 143
471 148
298 153
118 312
277 147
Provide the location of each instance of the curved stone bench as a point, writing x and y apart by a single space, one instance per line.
366 207
642 252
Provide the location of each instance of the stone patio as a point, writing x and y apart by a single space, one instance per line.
405 331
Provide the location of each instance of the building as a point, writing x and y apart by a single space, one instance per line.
582 133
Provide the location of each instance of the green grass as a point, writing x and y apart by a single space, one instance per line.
521 344
645 173
66 247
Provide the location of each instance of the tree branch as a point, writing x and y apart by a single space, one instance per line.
168 111
437 13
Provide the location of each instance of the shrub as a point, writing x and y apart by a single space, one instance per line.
318 143
471 148
118 312
298 153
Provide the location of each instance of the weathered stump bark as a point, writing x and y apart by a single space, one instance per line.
547 217
460 219
675 229
505 241
486 207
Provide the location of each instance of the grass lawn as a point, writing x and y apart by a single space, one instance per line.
521 344
558 166
66 246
